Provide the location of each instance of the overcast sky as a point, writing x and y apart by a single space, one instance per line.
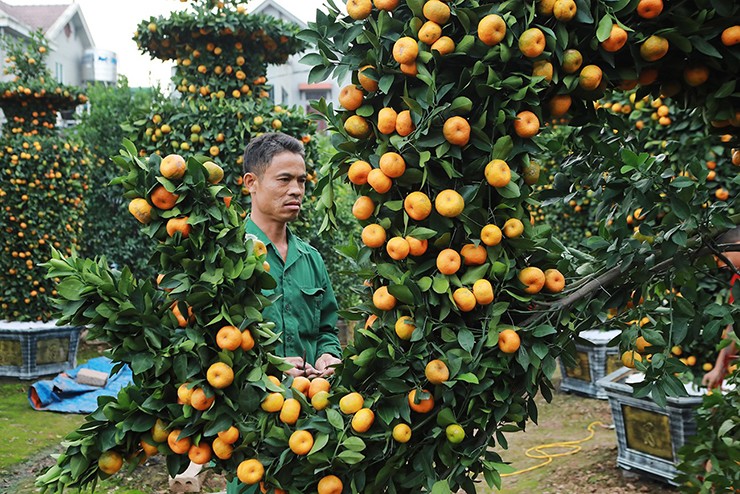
113 22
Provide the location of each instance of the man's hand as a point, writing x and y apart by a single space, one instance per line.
714 377
299 366
324 364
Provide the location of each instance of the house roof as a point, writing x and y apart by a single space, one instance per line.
51 19
35 16
287 14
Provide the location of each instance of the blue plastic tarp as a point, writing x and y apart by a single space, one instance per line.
65 394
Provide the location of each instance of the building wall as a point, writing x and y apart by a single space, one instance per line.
287 78
69 47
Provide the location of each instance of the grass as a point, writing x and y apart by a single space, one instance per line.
27 432
593 469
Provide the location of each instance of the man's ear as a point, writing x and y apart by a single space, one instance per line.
249 181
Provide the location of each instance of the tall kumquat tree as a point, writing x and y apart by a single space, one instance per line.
44 180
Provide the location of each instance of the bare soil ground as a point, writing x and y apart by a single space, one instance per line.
591 470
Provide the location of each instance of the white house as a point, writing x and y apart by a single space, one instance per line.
65 29
290 80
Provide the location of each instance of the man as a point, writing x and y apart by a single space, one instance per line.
306 314
713 378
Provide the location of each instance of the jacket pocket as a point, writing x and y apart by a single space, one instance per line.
311 319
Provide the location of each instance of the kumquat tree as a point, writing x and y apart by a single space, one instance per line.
468 300
221 58
44 179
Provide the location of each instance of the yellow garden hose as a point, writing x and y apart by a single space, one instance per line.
538 452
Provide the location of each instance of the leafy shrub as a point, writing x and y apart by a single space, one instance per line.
122 242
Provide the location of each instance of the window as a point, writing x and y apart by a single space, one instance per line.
59 72
316 94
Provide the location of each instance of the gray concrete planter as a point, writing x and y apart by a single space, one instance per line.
594 361
648 436
29 350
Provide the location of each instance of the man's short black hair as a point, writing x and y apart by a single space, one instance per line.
261 150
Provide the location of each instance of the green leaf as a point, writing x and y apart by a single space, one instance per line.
70 289
389 272
364 357
321 440
499 308
402 293
726 89
441 284
312 59
441 487
385 83
540 349
421 233
141 363
474 274
543 330
425 283
335 418
703 46
416 7
468 377
605 28
503 147
680 208
446 417
350 457
510 191
466 339
365 110
354 443
726 427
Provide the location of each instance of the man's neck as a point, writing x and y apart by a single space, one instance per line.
277 232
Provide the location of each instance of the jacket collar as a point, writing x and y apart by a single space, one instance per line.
295 247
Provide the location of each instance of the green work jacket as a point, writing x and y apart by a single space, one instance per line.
306 314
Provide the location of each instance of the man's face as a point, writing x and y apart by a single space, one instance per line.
278 193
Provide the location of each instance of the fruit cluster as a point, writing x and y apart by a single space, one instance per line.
436 132
31 99
203 360
219 129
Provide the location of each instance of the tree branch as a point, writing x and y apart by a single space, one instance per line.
606 279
